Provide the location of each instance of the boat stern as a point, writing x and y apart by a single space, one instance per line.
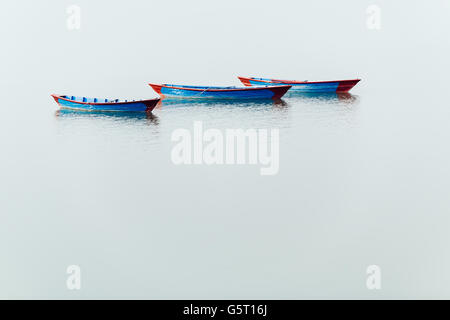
56 97
245 81
346 85
150 104
156 87
279 91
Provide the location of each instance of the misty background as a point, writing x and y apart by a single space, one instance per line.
360 183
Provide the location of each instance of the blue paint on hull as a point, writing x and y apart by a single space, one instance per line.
232 94
125 106
305 87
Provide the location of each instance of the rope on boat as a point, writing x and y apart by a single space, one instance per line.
203 91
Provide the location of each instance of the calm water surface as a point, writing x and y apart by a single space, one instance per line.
363 178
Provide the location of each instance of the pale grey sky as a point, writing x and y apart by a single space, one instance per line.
123 45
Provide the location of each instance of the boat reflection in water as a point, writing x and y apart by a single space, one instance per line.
293 100
218 103
148 117
326 98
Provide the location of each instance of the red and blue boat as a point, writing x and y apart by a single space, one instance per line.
205 92
95 104
338 86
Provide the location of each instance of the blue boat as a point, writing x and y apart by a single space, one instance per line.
95 104
206 92
338 86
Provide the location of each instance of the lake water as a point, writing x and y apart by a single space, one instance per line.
363 178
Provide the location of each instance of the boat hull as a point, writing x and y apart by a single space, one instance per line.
90 104
338 86
266 92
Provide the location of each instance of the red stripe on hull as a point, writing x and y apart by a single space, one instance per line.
54 96
245 81
346 85
150 104
156 87
279 91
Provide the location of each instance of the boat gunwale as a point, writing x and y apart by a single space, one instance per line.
287 82
104 103
218 90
